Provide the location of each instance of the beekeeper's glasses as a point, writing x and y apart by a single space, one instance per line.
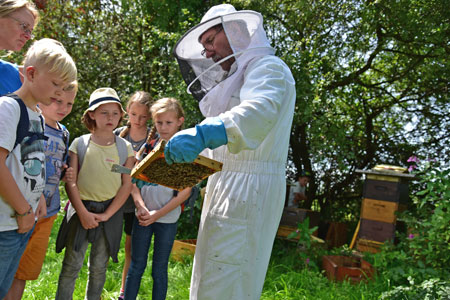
209 43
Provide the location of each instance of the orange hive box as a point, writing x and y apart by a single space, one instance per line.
178 176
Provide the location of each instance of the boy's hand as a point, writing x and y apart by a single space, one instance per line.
88 220
25 223
41 210
69 175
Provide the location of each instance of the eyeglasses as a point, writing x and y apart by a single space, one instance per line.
209 43
24 27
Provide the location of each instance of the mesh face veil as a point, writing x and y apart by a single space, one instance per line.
205 78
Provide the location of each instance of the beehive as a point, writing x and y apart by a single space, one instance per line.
385 193
178 176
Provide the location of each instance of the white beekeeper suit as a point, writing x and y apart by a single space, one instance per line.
244 202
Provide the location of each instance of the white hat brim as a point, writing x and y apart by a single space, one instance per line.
188 46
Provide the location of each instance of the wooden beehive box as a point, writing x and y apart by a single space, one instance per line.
376 231
339 268
178 176
292 216
377 210
183 248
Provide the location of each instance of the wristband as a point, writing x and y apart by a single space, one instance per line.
30 210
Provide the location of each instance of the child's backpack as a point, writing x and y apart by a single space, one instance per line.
23 127
190 201
83 144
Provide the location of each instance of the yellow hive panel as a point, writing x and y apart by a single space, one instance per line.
153 168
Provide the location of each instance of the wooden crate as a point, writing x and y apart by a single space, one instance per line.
293 215
376 231
377 210
182 248
364 245
153 168
339 268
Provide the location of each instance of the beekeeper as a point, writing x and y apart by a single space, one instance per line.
247 95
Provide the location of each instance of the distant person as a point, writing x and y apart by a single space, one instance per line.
47 70
96 196
17 20
157 212
247 95
297 192
136 132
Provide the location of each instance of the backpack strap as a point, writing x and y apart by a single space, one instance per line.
24 120
65 157
65 136
83 143
190 201
122 149
23 127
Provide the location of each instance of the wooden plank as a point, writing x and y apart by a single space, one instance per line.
364 245
377 210
182 248
284 231
386 173
383 178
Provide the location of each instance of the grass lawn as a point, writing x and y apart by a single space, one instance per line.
287 278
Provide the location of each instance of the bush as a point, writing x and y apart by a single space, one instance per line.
428 290
423 253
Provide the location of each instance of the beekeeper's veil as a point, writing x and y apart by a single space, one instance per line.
206 79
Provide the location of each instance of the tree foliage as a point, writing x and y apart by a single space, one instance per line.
372 86
126 45
372 77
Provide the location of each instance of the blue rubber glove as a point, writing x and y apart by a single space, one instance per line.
186 145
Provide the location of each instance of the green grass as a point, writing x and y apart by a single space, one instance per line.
287 278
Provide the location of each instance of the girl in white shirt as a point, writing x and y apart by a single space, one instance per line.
157 212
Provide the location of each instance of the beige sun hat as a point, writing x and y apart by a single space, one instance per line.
102 96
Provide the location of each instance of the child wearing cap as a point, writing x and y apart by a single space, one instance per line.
96 196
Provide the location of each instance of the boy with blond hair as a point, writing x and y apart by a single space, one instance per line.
56 152
48 69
